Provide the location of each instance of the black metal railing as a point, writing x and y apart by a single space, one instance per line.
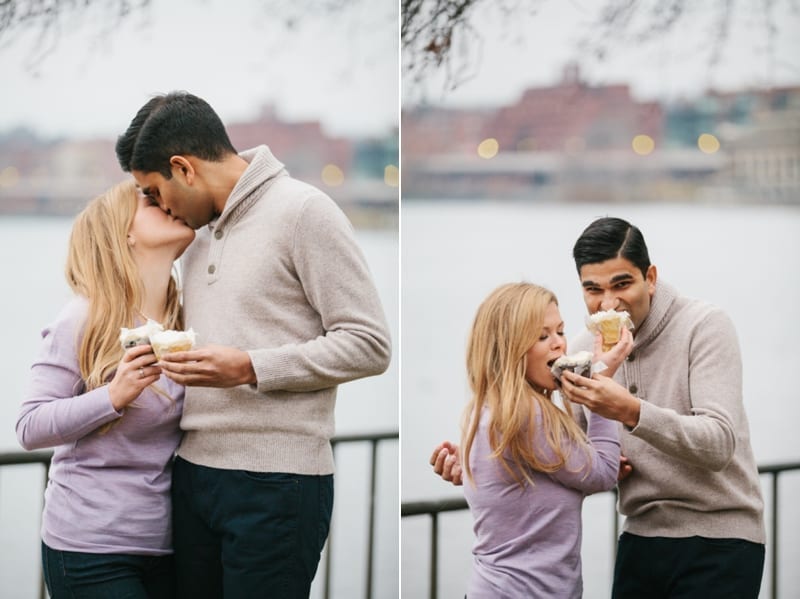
436 507
43 458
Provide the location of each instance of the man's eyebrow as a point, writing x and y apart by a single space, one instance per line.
615 279
623 277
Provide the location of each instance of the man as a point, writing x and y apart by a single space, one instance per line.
689 483
285 310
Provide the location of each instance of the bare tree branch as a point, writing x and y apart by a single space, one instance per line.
47 19
430 29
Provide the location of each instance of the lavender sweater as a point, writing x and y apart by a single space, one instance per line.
528 541
106 493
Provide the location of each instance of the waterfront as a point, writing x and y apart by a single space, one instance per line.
742 258
33 250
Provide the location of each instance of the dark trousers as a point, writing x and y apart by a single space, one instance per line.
240 534
74 575
694 567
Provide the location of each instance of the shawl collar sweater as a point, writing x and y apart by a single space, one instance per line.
280 276
694 473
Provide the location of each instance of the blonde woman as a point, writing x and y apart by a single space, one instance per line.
527 464
110 415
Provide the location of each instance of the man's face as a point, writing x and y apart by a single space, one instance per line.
175 197
618 284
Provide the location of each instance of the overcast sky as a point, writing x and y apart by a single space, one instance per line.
340 68
525 49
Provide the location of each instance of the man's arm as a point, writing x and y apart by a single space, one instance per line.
338 285
704 438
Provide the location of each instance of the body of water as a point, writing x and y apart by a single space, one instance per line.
33 252
741 258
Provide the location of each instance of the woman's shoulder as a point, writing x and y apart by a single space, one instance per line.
70 318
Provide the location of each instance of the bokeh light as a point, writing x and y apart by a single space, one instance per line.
332 175
391 175
708 143
488 148
643 144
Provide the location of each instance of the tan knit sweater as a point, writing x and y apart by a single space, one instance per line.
279 275
693 468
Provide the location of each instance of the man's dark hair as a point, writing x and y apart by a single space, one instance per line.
608 238
175 123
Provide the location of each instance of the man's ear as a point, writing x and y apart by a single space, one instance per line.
651 277
181 166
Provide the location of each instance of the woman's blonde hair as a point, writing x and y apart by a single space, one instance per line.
506 326
100 267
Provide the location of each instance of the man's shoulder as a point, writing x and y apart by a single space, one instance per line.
698 310
302 200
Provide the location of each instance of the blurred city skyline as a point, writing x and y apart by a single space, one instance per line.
337 66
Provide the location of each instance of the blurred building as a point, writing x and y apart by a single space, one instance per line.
41 176
576 142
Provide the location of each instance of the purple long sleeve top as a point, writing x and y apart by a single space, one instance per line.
528 541
107 492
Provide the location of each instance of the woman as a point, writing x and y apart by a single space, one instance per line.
528 464
111 416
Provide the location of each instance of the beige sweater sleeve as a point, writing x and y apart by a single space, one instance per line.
338 285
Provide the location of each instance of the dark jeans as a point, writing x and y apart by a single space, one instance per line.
694 567
74 575
242 534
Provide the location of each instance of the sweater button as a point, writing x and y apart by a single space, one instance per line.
218 234
631 358
633 388
211 269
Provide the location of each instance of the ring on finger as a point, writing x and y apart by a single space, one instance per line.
141 372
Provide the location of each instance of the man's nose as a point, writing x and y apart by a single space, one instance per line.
610 301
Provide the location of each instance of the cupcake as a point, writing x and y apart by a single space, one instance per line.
579 363
140 335
609 324
165 342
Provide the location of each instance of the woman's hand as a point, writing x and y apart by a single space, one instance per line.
616 355
136 370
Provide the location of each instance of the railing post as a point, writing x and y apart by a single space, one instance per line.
434 554
327 579
774 565
42 585
615 521
371 540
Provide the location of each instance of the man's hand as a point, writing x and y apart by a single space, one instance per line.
625 468
602 395
210 366
446 462
614 357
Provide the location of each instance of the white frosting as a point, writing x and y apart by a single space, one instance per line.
581 357
146 331
606 314
173 337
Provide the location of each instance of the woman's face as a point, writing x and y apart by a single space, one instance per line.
153 230
550 346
